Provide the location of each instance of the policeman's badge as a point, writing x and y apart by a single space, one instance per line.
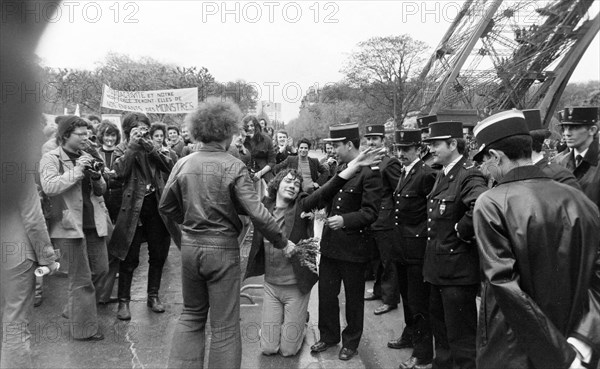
369 129
402 135
443 207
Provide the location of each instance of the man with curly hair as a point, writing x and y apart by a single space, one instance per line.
204 194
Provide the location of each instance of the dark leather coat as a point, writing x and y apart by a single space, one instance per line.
390 170
128 166
358 203
205 193
542 272
296 227
587 173
410 208
450 260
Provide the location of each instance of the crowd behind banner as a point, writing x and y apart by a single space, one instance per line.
437 218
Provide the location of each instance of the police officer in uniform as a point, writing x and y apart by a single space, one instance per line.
451 263
425 155
538 134
345 247
580 129
386 280
410 208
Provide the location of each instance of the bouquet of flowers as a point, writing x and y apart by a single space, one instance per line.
304 263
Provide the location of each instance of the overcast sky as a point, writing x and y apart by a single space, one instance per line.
283 47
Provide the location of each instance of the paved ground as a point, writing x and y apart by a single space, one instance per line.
145 341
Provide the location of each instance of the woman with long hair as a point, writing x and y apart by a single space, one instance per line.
262 154
286 294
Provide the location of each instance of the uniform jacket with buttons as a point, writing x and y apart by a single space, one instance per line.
587 173
358 203
410 213
450 260
538 243
390 170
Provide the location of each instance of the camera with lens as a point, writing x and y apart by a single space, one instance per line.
95 165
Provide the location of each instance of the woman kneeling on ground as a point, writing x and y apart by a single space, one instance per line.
285 302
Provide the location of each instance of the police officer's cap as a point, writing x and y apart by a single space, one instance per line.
581 115
408 137
343 132
444 131
498 126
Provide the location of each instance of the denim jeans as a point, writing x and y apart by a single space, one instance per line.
210 285
18 286
88 259
283 319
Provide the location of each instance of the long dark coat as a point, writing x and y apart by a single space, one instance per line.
542 272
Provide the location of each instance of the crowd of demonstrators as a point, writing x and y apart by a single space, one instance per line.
204 194
445 230
141 164
262 155
386 286
73 178
345 247
285 146
314 174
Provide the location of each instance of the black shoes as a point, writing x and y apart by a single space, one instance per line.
346 353
123 312
384 309
400 343
320 347
155 304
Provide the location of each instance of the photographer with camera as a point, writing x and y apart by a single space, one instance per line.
142 167
73 177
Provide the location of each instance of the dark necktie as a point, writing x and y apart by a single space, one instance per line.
578 160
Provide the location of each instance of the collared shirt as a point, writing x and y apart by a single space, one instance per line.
410 166
449 167
582 153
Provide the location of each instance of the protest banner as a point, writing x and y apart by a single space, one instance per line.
178 101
